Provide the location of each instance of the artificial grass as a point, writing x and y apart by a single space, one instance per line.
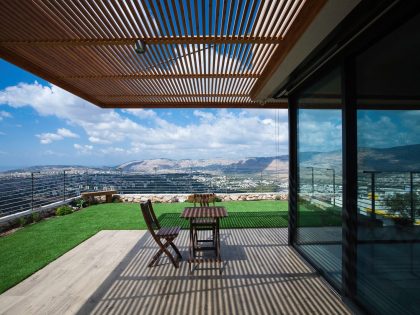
31 248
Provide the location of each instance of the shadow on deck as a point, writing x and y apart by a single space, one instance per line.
262 275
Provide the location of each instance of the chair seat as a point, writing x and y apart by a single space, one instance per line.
168 231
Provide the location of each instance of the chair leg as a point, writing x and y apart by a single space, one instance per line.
172 259
163 249
175 249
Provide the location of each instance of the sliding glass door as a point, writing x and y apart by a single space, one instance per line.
319 169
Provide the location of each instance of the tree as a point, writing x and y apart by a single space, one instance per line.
400 204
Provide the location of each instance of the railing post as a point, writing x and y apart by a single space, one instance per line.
313 183
372 191
32 191
373 214
412 196
333 170
64 185
333 173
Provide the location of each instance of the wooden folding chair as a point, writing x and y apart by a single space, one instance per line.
163 233
204 224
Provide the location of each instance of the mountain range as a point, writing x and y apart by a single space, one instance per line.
401 159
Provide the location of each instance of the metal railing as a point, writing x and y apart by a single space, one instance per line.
323 186
29 191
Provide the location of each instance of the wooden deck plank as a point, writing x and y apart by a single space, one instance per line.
107 274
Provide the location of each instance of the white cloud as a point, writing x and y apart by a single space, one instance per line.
141 113
83 149
220 133
48 137
4 114
65 133
205 116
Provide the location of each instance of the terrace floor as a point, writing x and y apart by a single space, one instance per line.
107 274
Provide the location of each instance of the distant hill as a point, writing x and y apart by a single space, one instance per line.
59 168
248 165
395 159
399 159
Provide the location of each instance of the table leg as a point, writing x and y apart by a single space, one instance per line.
218 244
191 246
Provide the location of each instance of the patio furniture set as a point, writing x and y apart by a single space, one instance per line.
203 216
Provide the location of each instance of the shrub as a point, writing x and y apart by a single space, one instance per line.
63 210
25 220
399 204
116 199
36 217
217 199
79 203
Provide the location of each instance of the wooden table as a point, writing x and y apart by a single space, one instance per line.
216 213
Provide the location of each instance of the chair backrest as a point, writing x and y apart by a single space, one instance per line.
149 216
204 199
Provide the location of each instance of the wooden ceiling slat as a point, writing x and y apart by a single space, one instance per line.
102 23
189 19
194 104
157 28
250 18
241 22
225 29
159 12
278 18
269 19
136 27
186 40
210 20
66 19
48 21
220 57
90 23
77 20
177 19
283 16
290 21
216 19
117 19
140 17
255 23
235 22
196 22
169 12
100 16
306 16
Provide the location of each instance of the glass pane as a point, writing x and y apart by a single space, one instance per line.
320 177
389 210
388 72
388 252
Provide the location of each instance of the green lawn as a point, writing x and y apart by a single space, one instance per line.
36 245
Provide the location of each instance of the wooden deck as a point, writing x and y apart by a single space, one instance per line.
107 274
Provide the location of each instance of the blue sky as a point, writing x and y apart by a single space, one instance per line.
41 124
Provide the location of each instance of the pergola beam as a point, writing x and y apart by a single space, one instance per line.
253 105
173 95
179 40
148 76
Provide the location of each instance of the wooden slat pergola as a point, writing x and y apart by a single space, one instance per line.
210 53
